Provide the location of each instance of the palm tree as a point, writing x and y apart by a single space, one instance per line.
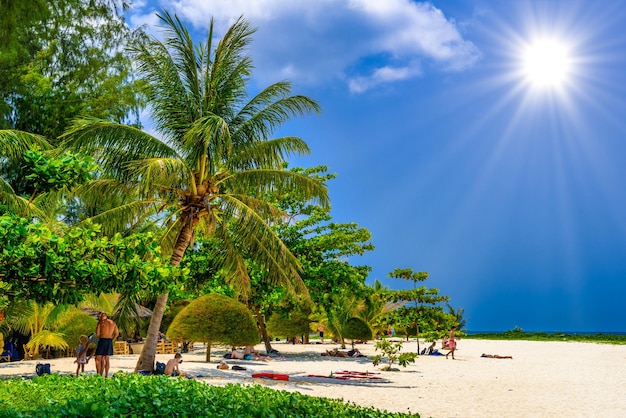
40 322
458 315
214 163
376 307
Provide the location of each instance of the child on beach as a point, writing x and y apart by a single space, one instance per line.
81 355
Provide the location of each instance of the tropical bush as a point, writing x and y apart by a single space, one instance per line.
146 396
297 323
391 351
214 318
75 323
357 329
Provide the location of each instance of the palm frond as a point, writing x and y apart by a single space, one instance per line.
48 339
208 136
230 70
181 47
267 154
125 217
13 143
114 145
267 111
159 175
262 244
103 302
262 182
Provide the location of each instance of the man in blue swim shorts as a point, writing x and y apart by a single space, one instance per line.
107 332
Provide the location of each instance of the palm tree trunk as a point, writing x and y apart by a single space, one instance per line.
261 320
148 354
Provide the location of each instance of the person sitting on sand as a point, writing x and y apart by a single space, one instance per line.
495 356
249 353
444 343
171 368
431 348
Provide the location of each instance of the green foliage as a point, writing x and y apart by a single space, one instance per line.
345 306
291 325
173 309
74 323
458 314
49 172
357 329
39 322
391 351
519 334
214 318
47 265
420 303
64 58
322 246
145 396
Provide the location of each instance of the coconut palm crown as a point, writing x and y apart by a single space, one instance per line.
213 161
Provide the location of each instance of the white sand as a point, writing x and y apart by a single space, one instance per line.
544 379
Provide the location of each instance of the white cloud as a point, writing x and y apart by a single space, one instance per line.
381 76
362 42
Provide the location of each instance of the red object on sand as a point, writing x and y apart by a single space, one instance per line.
273 376
345 375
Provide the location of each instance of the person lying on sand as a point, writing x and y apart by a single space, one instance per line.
494 356
249 354
335 352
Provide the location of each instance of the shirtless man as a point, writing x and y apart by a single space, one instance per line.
107 332
171 368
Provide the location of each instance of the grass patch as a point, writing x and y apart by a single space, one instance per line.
132 395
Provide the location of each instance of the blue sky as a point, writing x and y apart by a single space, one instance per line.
509 192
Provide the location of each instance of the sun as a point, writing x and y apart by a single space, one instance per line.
546 63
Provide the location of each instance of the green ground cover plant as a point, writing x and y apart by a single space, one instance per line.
147 396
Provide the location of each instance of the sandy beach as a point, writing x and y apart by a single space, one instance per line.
544 379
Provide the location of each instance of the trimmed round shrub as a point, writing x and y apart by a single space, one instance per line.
212 319
357 329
